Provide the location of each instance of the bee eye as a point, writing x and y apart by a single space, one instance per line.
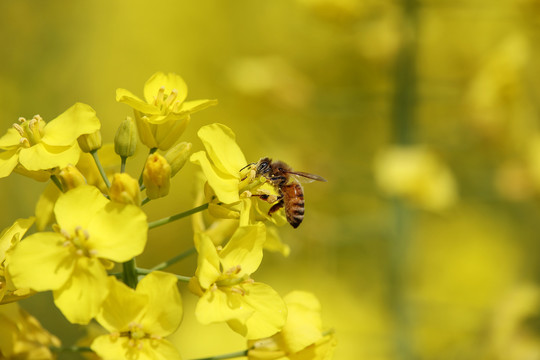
263 166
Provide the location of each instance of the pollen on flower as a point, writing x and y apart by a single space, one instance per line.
246 194
159 98
238 290
114 335
93 253
24 142
19 128
234 270
171 98
63 232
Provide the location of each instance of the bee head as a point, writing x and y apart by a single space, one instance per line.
263 166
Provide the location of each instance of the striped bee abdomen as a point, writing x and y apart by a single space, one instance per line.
293 197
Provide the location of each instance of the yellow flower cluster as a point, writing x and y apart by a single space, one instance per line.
91 226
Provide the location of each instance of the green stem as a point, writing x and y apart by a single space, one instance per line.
123 164
145 201
142 271
100 168
152 150
172 218
129 275
73 348
57 182
175 259
226 356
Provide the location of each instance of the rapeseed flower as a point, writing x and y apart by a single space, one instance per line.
8 239
302 335
91 232
416 173
164 114
138 320
228 294
230 191
22 337
33 147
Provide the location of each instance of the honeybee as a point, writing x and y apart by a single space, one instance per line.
287 184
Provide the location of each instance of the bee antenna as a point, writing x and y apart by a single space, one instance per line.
247 166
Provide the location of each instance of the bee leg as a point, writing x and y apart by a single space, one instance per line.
262 196
276 206
278 179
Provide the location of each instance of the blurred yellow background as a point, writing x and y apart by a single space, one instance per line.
423 116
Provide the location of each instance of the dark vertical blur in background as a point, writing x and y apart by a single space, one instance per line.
423 117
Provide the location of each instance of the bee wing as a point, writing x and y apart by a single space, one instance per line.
306 178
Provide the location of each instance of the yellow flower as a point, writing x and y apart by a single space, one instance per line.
416 174
125 189
8 239
138 320
156 176
228 294
229 193
32 147
302 336
222 161
72 261
22 337
164 114
87 167
70 177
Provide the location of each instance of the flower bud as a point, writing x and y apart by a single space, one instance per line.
125 189
177 156
156 176
90 142
125 140
71 177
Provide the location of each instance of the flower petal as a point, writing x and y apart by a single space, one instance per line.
42 156
169 81
68 126
221 146
45 206
208 270
39 175
110 347
81 297
303 325
164 307
69 212
167 134
273 242
224 185
41 262
245 248
218 306
126 97
13 234
159 349
11 139
122 306
269 316
118 232
190 107
8 161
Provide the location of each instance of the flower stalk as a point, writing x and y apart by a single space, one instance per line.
169 219
100 168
